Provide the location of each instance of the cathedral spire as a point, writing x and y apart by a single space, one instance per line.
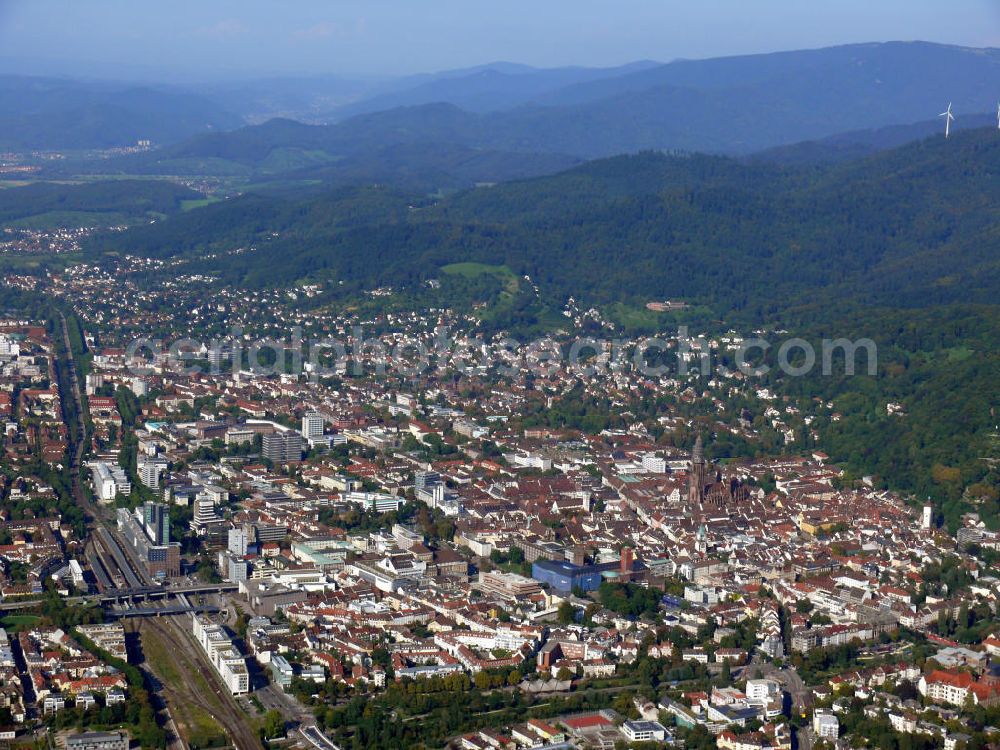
696 479
698 454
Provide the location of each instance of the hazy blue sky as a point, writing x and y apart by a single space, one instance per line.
220 38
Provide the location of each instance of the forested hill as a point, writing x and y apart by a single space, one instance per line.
909 227
858 144
92 204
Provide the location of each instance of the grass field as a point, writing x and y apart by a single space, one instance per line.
635 318
632 317
190 205
959 353
471 270
59 219
19 622
10 263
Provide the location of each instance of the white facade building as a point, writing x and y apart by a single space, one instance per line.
312 425
109 481
218 646
654 464
826 725
149 470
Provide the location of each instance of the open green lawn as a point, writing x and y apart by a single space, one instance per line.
631 316
58 219
471 269
636 318
190 205
19 622
10 263
959 353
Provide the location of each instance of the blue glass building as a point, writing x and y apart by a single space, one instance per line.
564 576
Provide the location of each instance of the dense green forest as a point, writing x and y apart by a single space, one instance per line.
942 365
910 227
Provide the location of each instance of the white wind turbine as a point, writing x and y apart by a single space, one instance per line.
998 116
949 118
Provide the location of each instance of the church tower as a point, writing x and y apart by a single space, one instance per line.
696 480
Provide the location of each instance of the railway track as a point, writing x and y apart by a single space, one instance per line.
190 661
113 570
77 448
109 543
107 560
100 568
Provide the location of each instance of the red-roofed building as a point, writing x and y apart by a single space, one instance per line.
955 688
587 721
992 645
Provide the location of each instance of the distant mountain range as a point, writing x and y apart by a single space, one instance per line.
51 113
488 88
504 121
729 106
